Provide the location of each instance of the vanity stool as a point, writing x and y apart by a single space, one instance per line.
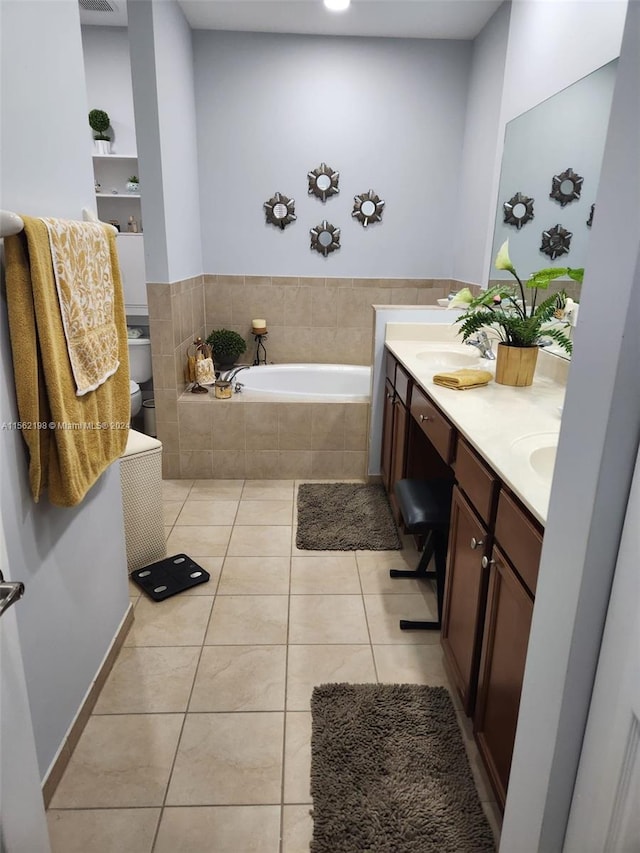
425 506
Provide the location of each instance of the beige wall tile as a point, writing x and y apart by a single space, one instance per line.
195 427
229 464
261 426
159 301
196 463
297 306
294 426
430 295
327 464
218 301
324 310
327 426
315 282
285 281
356 423
257 280
228 425
161 333
169 435
166 405
163 372
331 283
295 463
354 464
170 466
263 464
264 302
404 296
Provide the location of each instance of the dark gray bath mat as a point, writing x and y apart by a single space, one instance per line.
345 517
389 773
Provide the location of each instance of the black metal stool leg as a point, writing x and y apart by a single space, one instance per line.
440 547
421 569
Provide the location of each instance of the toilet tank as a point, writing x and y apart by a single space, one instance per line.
140 359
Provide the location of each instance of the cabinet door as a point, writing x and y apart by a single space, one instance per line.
504 651
465 598
398 453
387 435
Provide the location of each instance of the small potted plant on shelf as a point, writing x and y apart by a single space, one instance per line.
133 185
226 347
99 122
520 327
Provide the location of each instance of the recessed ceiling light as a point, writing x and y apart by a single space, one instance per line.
337 5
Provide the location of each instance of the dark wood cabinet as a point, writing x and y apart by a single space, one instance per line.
465 598
504 652
394 429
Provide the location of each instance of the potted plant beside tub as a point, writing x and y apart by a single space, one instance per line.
520 327
226 347
99 122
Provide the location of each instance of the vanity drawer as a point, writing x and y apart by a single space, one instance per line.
403 383
433 423
476 480
519 538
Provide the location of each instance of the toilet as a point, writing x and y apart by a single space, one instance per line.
139 370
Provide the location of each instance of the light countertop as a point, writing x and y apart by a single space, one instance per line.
504 424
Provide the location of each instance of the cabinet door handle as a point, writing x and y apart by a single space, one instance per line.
389 396
424 418
476 543
486 562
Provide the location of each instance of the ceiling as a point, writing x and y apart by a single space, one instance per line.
439 19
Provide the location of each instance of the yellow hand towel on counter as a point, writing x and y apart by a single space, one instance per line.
69 456
462 380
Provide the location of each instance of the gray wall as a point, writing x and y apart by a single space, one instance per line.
480 162
388 114
163 92
72 561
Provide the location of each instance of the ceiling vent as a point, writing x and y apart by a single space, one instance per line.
97 6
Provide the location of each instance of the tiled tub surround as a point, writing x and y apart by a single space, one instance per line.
245 437
311 320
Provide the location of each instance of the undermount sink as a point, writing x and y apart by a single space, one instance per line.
442 358
543 460
539 449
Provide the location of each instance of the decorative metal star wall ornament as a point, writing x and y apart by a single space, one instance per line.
518 210
367 208
325 238
323 182
556 241
566 187
279 210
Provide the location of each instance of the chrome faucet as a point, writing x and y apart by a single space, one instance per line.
484 345
230 376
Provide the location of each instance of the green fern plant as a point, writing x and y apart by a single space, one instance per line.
503 309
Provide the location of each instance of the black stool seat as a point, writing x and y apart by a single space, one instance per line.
424 503
425 506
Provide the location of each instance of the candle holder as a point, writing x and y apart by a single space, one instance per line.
261 352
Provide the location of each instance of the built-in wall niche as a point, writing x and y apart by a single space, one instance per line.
118 204
553 154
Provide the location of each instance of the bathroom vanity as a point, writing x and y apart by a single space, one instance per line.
498 444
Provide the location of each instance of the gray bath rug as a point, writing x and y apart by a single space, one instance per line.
389 773
345 517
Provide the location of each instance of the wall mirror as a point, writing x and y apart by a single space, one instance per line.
367 207
568 128
279 210
323 182
325 238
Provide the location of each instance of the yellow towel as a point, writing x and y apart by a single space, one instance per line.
82 270
69 447
462 380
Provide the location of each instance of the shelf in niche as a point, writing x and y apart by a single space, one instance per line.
129 234
115 156
118 195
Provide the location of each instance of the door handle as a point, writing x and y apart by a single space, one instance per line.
476 543
10 592
486 562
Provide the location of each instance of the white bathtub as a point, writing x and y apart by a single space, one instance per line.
337 382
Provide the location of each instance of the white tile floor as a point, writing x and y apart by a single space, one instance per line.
199 742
